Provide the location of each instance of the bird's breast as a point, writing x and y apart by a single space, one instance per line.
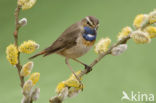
87 42
82 47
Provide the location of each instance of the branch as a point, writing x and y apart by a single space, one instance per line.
17 27
101 56
13 51
17 11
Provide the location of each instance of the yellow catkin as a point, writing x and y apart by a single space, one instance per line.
151 31
102 45
35 77
27 68
140 20
60 87
77 73
27 88
12 54
73 92
71 82
26 4
125 32
28 47
152 17
140 37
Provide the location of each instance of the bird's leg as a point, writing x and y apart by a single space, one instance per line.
69 66
86 66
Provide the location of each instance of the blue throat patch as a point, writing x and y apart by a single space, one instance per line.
89 34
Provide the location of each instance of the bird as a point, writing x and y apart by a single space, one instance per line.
74 42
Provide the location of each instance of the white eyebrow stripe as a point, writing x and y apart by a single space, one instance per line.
89 20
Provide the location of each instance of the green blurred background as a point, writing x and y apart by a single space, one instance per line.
132 71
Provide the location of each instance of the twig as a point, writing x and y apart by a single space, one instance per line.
18 66
122 41
17 11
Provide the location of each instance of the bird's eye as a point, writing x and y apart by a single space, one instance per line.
88 23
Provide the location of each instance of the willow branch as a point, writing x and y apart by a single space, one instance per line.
17 27
101 56
122 41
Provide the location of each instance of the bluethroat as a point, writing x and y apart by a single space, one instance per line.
74 42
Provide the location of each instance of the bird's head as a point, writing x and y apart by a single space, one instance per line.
91 22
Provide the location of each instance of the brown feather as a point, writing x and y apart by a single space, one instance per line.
64 41
36 55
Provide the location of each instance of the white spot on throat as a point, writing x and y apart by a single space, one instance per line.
89 35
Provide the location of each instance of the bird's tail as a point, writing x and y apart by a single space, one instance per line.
38 54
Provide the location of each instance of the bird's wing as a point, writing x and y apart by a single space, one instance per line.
66 40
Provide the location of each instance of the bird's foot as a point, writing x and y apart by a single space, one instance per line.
88 68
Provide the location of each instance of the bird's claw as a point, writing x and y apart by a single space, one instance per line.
88 68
